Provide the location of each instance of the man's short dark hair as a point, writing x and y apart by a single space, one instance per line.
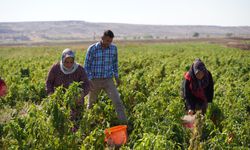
108 33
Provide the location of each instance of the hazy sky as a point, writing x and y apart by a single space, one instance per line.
161 12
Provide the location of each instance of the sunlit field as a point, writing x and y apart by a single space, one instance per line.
151 77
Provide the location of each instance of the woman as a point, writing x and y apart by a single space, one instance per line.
64 73
198 87
3 88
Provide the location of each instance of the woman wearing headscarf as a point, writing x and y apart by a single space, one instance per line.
198 87
64 73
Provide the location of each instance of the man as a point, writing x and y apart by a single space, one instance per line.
101 64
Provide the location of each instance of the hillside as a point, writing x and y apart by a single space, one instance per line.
61 31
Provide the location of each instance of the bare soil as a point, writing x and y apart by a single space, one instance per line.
241 43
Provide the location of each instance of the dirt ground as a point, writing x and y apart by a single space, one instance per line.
241 43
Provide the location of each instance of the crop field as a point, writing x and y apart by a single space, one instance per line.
151 77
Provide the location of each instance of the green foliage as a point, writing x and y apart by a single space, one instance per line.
151 76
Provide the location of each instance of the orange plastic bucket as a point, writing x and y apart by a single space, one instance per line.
116 135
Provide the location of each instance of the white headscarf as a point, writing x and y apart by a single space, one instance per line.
65 54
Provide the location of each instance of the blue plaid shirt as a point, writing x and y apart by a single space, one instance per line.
101 63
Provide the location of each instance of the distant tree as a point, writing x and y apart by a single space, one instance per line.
196 34
229 34
148 37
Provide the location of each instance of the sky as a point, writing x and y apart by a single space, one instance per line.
153 12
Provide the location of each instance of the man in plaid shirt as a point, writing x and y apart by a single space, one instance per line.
101 65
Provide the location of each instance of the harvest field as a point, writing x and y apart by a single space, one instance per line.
151 76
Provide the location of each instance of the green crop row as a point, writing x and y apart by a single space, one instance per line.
151 76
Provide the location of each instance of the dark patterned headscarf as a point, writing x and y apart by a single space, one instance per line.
197 66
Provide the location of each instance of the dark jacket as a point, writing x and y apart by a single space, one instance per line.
188 95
